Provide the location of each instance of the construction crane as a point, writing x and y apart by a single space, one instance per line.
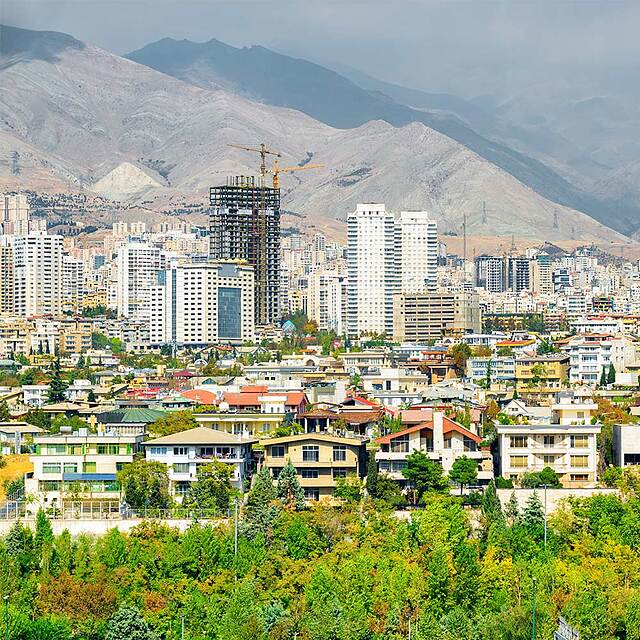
277 170
263 151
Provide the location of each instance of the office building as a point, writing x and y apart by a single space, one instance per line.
245 225
203 303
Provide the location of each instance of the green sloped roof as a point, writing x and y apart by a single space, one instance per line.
135 415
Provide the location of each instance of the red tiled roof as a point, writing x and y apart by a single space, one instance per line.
201 395
360 417
252 399
448 426
255 388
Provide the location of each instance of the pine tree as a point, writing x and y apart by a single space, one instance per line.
491 507
44 533
261 512
127 624
5 414
512 510
533 513
289 489
611 376
603 377
372 476
57 386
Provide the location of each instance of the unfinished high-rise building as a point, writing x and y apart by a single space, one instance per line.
245 225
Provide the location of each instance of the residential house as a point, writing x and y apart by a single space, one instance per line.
187 451
79 467
319 458
442 439
570 450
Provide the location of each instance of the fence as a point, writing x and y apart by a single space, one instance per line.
106 510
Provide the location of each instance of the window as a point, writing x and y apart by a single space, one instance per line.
181 467
311 494
180 451
549 441
89 467
340 453
549 459
579 477
519 462
310 453
579 461
56 449
579 442
182 487
339 473
277 451
110 449
275 472
158 451
518 442
308 473
70 467
51 467
400 444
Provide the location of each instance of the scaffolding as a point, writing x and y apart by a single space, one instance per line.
245 225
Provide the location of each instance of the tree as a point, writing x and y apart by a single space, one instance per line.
38 418
173 422
460 352
145 484
546 347
491 507
289 489
505 351
5 414
212 490
424 474
489 376
534 479
611 375
533 513
371 484
355 382
57 386
512 510
61 420
603 377
44 534
261 511
349 489
127 624
464 471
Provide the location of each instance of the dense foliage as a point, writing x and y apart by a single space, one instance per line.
330 573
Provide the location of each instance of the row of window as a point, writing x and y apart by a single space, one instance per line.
312 474
576 442
73 467
311 452
522 462
79 449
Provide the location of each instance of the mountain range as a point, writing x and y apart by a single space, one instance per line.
157 124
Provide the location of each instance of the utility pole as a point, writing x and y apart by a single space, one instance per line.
533 612
6 617
545 516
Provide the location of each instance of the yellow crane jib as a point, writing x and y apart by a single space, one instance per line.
277 170
263 150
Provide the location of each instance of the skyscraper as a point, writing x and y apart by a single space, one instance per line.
372 270
38 275
245 225
417 241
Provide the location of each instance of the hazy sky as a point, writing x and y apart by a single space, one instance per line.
466 47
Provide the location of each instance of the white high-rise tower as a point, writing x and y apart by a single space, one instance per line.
417 242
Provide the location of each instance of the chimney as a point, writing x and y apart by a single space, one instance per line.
438 433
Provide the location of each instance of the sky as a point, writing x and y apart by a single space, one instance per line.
468 47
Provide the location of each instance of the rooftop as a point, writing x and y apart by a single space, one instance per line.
199 435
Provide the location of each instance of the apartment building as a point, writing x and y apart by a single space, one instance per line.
327 300
75 336
423 316
185 452
38 275
417 243
198 304
73 287
78 466
319 458
499 369
570 450
540 378
442 439
372 270
245 423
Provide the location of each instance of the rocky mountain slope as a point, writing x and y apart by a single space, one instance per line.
547 162
74 115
